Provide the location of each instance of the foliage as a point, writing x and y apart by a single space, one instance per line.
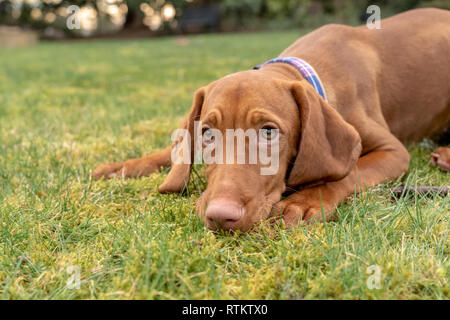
236 14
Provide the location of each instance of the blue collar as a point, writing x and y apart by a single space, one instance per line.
304 68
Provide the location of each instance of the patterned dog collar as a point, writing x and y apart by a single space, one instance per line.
304 68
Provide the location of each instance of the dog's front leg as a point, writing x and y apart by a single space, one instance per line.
140 167
135 168
388 161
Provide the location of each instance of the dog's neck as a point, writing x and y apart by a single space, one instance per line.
286 71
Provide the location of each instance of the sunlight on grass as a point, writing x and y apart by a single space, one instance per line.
67 107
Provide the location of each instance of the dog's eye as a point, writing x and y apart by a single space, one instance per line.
208 136
268 133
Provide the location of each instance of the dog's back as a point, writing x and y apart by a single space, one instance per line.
414 48
404 68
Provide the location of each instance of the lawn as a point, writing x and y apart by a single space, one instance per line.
66 107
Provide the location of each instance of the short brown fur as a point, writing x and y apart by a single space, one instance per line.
384 87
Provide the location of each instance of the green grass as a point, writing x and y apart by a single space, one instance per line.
67 107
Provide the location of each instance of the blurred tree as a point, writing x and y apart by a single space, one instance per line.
135 14
163 15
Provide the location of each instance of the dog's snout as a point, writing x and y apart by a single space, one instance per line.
223 214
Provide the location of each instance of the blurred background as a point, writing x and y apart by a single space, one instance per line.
27 21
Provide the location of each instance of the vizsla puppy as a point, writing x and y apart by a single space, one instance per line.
378 90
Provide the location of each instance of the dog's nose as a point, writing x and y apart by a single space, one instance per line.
223 214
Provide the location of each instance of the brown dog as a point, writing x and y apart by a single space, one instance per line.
385 87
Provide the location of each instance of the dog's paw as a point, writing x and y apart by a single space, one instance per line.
302 208
441 158
133 168
107 170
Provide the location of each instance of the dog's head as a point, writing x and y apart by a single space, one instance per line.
295 136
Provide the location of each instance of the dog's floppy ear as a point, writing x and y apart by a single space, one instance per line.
328 146
179 174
